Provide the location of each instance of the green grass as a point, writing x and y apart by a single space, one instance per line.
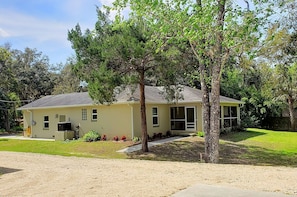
265 147
100 149
268 139
252 147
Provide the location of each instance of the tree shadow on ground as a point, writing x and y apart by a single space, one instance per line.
230 153
240 136
4 170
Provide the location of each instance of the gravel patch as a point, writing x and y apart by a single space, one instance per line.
28 174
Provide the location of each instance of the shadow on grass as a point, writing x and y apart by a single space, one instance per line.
8 170
240 136
230 153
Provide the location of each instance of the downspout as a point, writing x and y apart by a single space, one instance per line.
31 122
238 114
132 121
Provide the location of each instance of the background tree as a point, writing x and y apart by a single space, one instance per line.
8 85
286 87
33 73
66 81
24 76
280 52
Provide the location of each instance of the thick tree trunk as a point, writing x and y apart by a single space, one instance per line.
205 110
215 85
6 121
291 113
143 113
215 119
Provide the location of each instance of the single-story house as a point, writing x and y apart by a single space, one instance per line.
78 112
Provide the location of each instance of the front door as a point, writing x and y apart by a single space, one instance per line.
190 119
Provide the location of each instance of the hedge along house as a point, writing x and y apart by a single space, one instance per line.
122 118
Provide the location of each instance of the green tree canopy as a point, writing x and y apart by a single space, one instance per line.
214 30
121 53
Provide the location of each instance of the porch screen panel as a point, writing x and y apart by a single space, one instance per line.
177 116
230 116
177 112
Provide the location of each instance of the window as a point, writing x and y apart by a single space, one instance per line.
84 114
177 116
177 112
230 116
45 122
94 114
155 116
62 118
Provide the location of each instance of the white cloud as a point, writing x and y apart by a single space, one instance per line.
21 25
106 2
113 13
4 33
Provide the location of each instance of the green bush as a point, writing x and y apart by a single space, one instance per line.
136 139
200 133
18 128
91 136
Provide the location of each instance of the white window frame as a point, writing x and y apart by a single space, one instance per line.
46 122
155 116
84 114
94 114
230 116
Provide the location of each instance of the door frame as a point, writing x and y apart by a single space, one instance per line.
190 126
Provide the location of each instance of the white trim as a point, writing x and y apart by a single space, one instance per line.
188 125
155 116
132 121
46 121
92 114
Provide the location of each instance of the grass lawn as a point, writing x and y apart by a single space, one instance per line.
100 149
254 146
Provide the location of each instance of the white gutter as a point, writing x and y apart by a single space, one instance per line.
132 121
31 122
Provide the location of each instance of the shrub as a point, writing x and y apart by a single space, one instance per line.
103 138
123 138
116 138
168 133
17 128
91 136
200 133
136 139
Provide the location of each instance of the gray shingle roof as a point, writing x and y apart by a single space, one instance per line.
152 95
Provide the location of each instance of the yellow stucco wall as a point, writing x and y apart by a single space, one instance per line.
114 120
163 118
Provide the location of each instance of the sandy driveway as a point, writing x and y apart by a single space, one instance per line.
45 175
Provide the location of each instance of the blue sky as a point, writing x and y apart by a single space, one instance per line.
43 24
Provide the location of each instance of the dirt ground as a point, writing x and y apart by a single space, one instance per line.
26 174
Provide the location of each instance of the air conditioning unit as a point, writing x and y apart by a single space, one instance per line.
64 126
